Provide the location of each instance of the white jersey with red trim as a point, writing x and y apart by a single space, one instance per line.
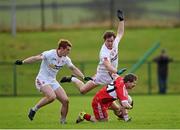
52 63
111 55
103 76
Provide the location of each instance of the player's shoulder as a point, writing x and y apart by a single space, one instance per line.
104 50
50 51
119 81
67 58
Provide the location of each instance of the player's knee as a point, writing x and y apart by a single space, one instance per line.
83 91
65 101
51 98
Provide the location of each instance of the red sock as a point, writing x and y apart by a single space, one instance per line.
87 117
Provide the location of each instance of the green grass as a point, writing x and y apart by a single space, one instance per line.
89 40
86 46
157 112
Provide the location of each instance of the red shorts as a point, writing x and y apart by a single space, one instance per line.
100 109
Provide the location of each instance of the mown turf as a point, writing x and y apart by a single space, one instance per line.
157 112
86 46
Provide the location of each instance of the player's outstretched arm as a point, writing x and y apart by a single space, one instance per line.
120 31
29 60
78 73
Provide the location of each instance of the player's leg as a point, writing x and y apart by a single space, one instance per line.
86 116
116 108
83 88
120 111
49 96
63 98
99 110
88 87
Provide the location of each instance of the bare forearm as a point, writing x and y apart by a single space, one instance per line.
31 59
77 72
111 69
120 31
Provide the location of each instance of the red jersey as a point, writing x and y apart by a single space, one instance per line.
114 91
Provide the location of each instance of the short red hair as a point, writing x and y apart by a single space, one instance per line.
63 43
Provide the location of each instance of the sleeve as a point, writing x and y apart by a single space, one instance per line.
68 62
116 41
122 93
45 55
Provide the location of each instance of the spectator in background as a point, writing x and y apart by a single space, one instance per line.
162 71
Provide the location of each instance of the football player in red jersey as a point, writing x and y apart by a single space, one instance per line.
105 99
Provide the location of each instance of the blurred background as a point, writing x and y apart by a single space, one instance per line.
54 14
31 27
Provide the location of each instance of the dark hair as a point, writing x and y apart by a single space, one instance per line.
64 43
130 77
109 34
163 51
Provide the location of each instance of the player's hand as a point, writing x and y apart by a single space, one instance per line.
87 78
18 62
126 105
120 15
120 71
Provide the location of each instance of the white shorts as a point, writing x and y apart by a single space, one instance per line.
41 81
103 78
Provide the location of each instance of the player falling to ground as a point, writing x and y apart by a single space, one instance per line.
105 99
52 61
108 64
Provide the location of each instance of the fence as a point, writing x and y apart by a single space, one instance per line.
53 14
19 80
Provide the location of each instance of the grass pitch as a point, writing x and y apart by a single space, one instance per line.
86 46
155 111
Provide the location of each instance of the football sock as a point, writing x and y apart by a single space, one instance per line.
63 120
35 108
126 117
74 79
87 117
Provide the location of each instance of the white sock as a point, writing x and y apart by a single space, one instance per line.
126 117
35 108
63 120
74 79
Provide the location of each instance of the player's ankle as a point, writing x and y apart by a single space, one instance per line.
87 117
74 79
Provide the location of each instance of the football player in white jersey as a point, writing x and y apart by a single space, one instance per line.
108 64
52 61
